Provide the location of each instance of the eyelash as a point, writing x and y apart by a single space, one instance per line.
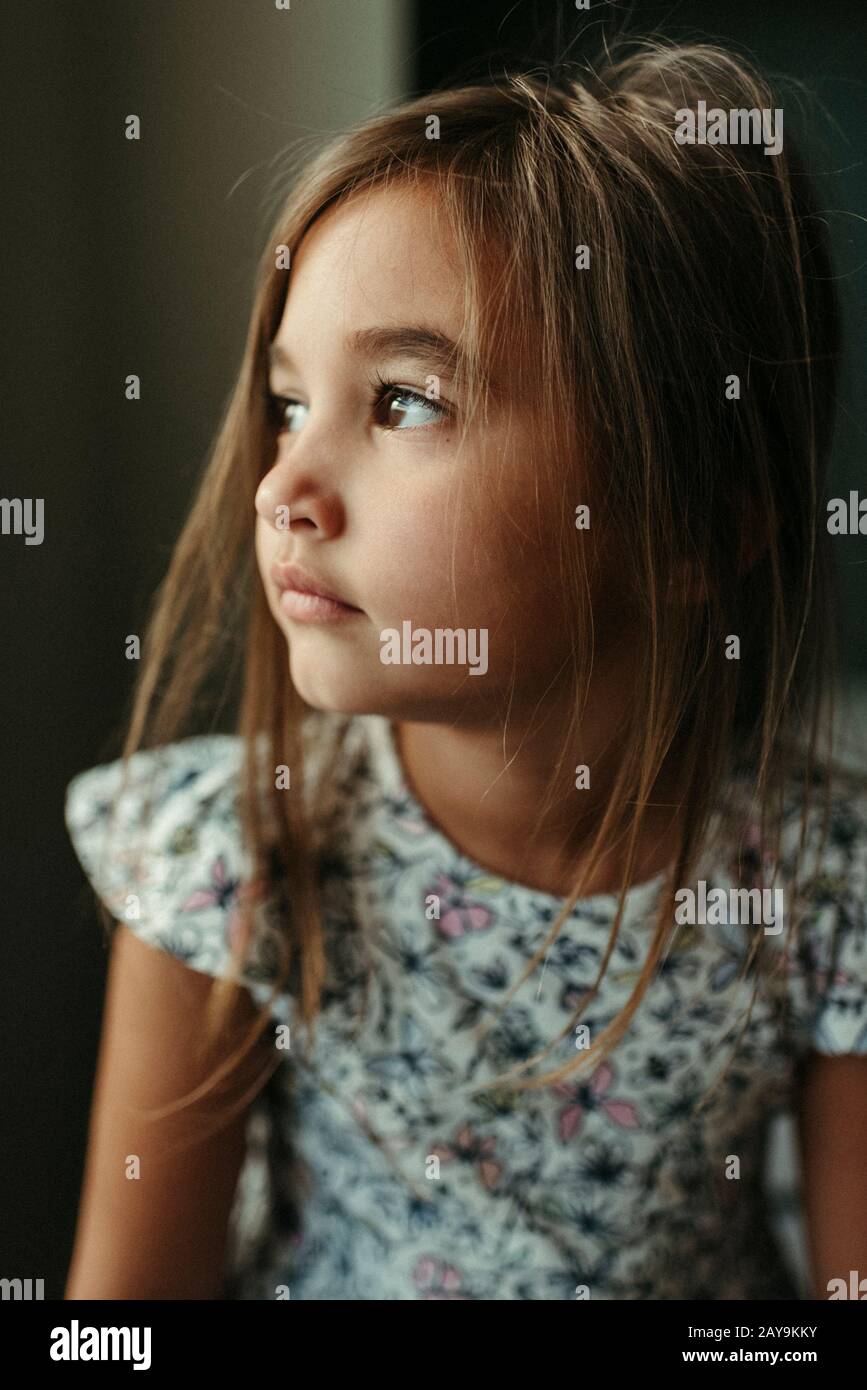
382 390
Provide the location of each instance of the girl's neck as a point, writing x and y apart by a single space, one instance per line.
487 798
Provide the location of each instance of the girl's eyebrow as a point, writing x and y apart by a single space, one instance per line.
426 346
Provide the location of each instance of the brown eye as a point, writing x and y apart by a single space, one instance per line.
398 404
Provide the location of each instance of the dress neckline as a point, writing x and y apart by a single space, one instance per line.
382 737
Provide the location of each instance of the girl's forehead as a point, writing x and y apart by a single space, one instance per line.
387 260
397 231
375 263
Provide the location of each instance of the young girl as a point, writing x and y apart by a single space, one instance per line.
522 899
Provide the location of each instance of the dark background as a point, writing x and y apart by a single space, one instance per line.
138 257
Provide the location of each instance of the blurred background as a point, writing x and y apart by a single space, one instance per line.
125 257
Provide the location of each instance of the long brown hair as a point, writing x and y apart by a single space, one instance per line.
706 262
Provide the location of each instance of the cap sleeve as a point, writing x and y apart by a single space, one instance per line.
163 850
828 970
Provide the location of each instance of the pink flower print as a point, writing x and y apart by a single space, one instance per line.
437 1279
221 893
470 1148
587 1096
229 894
458 916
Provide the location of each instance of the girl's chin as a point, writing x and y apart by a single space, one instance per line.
343 688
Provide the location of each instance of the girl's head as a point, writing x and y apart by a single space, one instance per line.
522 363
388 490
384 490
674 378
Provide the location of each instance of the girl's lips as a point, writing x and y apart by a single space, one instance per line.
305 599
313 608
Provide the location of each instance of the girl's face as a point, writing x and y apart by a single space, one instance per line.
357 493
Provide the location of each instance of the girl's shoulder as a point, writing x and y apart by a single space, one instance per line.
822 819
159 839
822 886
831 961
179 794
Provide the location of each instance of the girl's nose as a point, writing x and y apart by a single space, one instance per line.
289 499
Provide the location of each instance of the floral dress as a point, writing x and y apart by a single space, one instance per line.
376 1167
